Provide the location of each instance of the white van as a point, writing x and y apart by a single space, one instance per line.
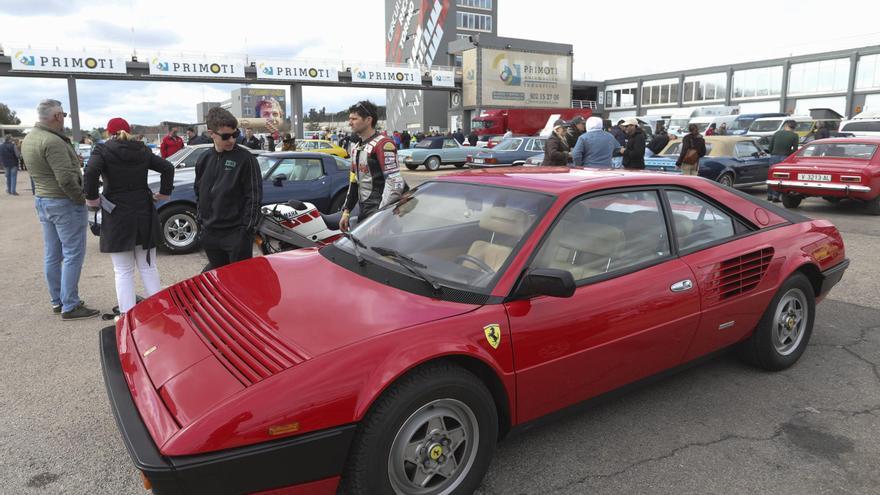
768 126
861 127
703 123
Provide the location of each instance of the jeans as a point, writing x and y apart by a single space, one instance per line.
64 238
11 179
124 265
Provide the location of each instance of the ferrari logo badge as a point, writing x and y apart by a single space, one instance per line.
493 334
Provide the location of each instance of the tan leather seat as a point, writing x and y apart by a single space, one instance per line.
588 251
499 221
644 232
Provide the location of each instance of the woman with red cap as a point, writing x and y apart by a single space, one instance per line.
129 223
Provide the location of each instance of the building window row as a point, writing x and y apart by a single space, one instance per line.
660 92
756 83
621 95
868 72
473 22
825 76
705 87
475 4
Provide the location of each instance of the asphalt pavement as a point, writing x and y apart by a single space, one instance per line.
718 427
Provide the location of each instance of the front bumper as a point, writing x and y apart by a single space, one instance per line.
831 277
283 463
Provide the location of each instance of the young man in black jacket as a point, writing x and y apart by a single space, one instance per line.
634 150
229 192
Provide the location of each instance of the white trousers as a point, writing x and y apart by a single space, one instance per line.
124 265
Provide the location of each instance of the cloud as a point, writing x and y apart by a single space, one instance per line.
282 50
141 36
41 7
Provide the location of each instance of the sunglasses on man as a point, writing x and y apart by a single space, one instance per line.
226 135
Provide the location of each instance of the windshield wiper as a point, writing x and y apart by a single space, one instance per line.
356 243
410 264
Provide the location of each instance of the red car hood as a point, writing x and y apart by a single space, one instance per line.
209 337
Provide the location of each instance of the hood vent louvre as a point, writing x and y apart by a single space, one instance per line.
243 343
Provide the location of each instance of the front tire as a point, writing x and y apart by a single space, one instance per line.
790 201
412 166
784 331
433 432
433 163
179 230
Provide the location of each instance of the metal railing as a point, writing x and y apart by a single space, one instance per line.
583 104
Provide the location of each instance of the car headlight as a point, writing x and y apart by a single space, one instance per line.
408 159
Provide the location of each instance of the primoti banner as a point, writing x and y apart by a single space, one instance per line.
296 71
443 78
405 76
56 61
522 79
196 67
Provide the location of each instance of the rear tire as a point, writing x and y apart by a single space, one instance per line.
337 203
459 165
726 179
180 233
874 206
784 331
437 424
790 201
433 163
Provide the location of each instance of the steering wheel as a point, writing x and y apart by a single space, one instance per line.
473 259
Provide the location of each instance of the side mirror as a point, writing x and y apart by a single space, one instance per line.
547 282
278 180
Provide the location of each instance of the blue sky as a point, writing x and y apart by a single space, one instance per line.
609 41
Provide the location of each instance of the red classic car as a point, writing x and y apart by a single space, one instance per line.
393 360
834 169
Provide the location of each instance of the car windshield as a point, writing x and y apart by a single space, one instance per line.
424 143
741 124
508 145
765 125
463 234
482 124
839 150
179 155
678 123
265 164
804 126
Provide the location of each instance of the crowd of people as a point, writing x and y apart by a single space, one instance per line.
228 189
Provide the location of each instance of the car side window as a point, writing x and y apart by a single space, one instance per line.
535 145
606 233
299 169
450 143
696 222
192 158
745 149
342 164
324 146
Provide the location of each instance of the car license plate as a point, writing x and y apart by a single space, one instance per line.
815 177
478 160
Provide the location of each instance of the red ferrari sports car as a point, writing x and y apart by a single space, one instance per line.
835 169
393 360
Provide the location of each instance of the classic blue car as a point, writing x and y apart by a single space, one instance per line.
317 178
511 151
730 160
433 152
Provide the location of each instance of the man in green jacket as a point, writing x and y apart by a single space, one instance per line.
60 203
783 143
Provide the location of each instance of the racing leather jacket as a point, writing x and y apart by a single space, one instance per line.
375 180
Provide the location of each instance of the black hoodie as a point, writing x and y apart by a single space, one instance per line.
229 189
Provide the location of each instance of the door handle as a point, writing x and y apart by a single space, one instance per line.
682 286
